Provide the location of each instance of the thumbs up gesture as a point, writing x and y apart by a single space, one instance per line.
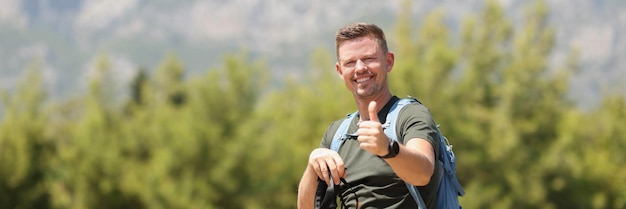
371 135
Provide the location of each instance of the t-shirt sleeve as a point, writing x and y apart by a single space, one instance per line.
417 122
330 132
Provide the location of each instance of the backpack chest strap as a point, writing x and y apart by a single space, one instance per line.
341 133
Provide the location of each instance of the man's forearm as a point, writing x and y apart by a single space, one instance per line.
306 189
415 162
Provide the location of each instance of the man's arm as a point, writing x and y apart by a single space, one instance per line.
307 188
415 163
323 162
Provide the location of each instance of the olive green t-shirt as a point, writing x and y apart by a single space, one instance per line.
369 177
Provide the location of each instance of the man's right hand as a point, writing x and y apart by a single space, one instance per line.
326 162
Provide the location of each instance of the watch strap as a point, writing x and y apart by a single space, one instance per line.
392 152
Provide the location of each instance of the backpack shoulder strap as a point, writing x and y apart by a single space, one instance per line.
390 131
340 134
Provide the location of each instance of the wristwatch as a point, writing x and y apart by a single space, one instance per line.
394 148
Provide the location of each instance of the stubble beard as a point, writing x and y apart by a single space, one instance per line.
368 92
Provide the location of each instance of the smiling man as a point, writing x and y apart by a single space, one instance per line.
373 167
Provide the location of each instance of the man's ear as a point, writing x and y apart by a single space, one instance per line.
390 60
338 70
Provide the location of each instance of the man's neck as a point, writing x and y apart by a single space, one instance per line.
363 104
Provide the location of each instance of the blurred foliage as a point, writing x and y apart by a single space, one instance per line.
227 139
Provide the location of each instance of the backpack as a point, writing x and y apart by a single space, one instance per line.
449 186
325 196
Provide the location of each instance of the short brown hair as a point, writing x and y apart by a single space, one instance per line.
358 30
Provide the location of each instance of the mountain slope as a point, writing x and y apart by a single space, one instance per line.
64 38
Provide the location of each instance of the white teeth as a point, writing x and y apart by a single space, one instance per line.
362 79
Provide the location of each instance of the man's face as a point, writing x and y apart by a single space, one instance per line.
363 66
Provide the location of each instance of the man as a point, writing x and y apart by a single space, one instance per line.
374 175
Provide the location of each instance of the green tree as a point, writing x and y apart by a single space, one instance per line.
509 91
24 146
85 167
169 81
587 159
424 66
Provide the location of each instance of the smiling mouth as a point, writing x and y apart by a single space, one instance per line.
364 78
361 80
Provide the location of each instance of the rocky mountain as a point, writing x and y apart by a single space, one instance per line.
65 37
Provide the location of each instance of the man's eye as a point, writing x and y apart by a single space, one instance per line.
349 64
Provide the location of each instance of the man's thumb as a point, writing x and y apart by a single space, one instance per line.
373 113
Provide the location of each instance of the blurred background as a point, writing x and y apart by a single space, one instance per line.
217 104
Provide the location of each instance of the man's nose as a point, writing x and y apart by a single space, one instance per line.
360 65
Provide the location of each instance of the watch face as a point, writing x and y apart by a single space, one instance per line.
395 148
